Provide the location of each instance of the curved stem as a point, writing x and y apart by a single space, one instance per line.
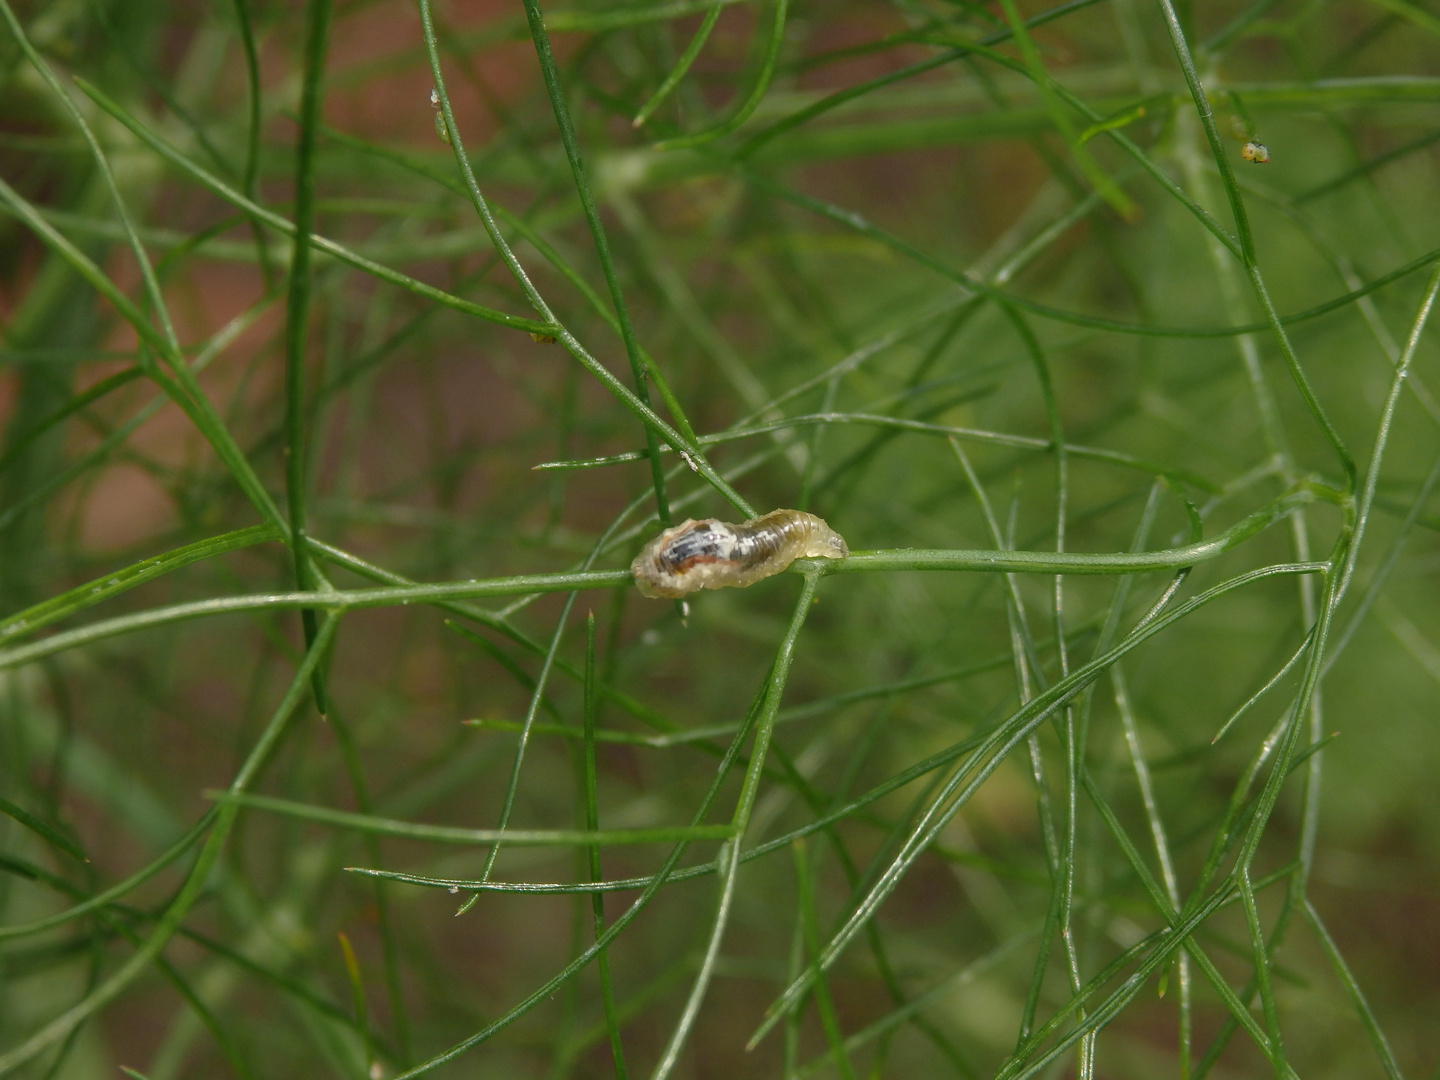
688 57
195 882
752 100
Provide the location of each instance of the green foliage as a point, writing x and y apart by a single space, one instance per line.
334 737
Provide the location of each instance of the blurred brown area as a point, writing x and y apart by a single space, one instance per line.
423 430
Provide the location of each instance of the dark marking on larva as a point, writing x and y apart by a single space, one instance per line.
1255 151
711 554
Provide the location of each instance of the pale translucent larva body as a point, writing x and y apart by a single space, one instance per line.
1256 152
711 554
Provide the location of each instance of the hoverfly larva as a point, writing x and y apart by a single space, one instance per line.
1255 151
711 554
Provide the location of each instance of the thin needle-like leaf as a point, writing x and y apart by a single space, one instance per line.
178 908
682 65
746 107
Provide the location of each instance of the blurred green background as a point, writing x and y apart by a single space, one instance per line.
935 242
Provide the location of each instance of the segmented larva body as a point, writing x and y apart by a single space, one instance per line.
712 554
1255 151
